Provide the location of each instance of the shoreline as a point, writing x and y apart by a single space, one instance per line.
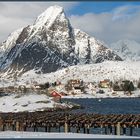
92 97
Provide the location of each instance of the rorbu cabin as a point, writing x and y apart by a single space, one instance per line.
56 96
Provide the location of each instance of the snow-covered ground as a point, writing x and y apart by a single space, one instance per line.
107 94
27 102
13 134
88 73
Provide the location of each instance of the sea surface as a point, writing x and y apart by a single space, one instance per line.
108 105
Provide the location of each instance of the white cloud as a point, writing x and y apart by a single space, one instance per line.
125 12
14 15
121 23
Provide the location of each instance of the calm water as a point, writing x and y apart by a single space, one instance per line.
108 106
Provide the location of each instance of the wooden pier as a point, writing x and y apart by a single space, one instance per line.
111 124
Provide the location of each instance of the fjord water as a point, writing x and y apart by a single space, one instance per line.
108 105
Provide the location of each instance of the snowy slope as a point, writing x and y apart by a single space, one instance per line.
50 44
127 49
89 73
90 50
9 43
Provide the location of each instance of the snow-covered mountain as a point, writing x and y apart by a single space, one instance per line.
49 44
127 49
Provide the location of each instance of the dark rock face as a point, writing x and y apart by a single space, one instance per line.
35 56
49 47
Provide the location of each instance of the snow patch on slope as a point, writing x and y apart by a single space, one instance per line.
10 42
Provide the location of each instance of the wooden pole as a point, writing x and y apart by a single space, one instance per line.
131 130
66 127
118 128
46 128
78 129
84 129
21 127
1 123
24 127
17 126
137 126
88 127
69 129
14 126
124 129
59 128
115 130
110 129
49 128
106 129
3 126
101 126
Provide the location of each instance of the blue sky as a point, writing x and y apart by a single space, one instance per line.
98 7
106 21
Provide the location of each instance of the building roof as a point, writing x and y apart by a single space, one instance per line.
55 94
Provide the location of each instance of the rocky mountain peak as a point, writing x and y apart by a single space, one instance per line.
50 15
54 27
51 43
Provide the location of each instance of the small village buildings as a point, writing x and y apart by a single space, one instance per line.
75 86
55 94
36 87
92 86
77 90
105 83
75 83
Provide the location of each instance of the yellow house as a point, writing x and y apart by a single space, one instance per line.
104 84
